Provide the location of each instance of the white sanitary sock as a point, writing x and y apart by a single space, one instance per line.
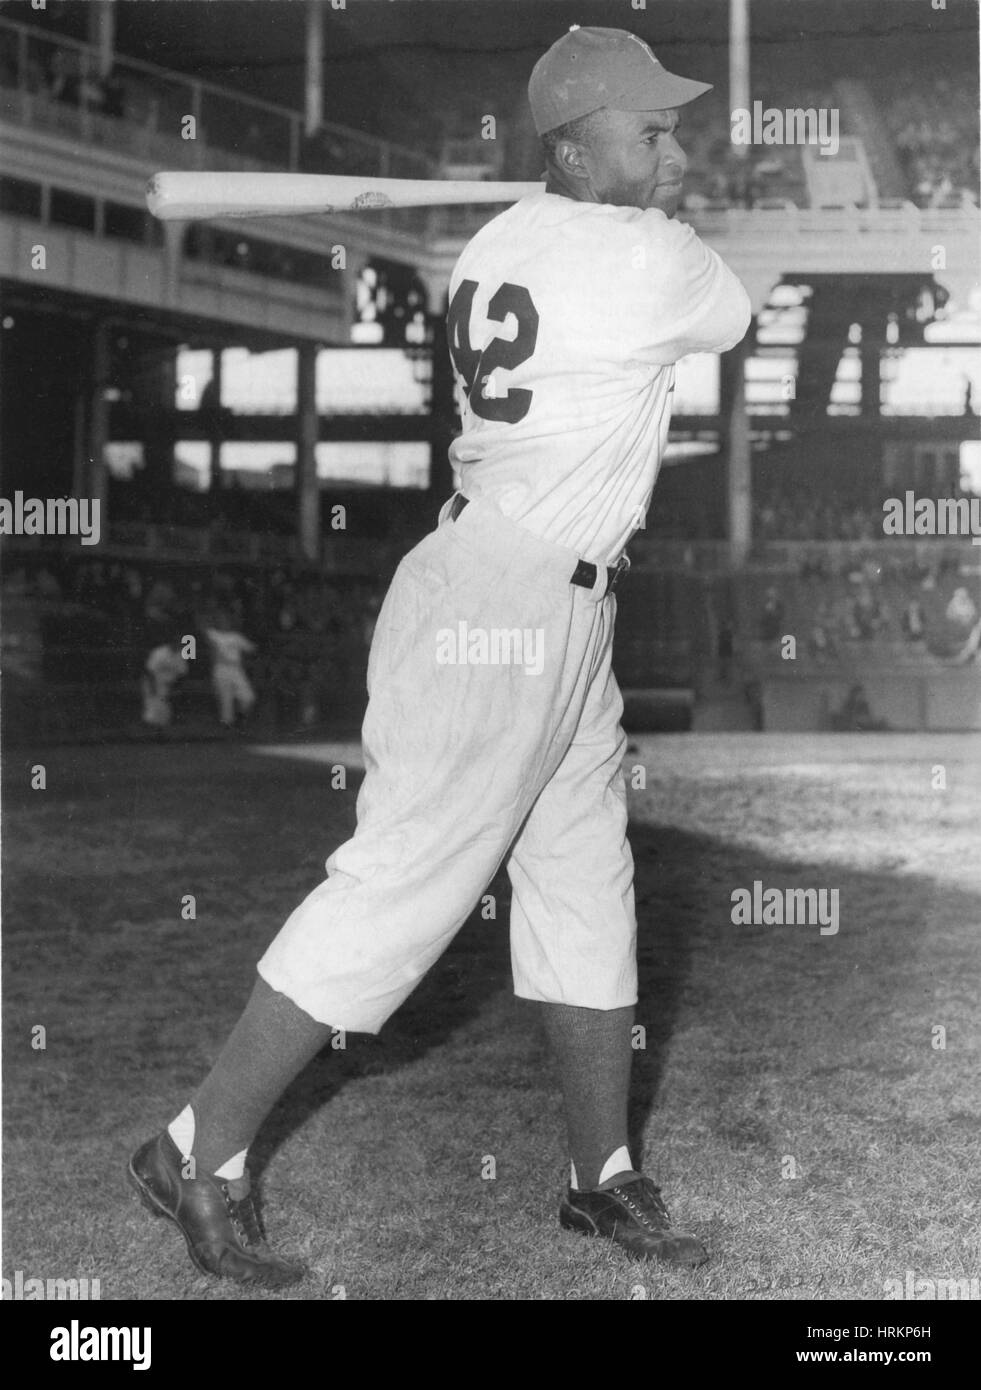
181 1131
618 1162
234 1168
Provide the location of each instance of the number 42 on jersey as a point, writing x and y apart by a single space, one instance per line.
476 368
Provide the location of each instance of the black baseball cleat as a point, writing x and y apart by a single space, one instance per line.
222 1232
631 1213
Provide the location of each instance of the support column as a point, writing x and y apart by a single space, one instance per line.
102 34
307 434
313 109
214 421
735 430
95 483
157 383
79 442
870 352
739 98
443 420
173 250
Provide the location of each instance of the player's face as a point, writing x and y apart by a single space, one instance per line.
634 160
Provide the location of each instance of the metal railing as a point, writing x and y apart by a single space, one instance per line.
217 545
200 542
649 552
801 224
52 83
847 654
841 555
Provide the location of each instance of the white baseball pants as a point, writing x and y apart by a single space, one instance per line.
469 761
233 691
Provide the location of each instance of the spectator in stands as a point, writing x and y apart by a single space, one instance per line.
771 617
856 713
961 607
822 644
936 135
783 515
913 626
63 78
114 95
862 622
159 610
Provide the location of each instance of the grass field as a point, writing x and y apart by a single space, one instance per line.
770 1049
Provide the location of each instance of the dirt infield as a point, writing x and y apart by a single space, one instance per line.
807 1097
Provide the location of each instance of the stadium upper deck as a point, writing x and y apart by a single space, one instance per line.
84 122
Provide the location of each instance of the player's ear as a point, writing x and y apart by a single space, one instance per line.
570 157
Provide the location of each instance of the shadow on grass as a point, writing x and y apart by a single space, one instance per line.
671 887
683 886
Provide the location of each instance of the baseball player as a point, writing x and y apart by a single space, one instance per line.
493 726
163 668
232 687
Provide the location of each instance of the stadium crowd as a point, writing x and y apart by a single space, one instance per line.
793 514
803 519
101 619
871 609
935 131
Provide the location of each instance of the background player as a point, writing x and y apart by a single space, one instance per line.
567 314
163 668
232 686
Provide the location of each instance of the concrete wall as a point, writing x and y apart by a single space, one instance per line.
941 700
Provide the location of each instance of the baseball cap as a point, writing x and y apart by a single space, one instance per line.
589 68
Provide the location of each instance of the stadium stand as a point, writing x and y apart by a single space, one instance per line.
934 129
856 605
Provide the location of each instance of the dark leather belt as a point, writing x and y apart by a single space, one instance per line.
584 575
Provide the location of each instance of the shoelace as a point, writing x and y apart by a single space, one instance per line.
650 1203
243 1217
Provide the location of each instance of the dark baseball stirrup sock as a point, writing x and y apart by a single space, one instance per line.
593 1053
270 1044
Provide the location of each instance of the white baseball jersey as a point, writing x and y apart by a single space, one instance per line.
165 666
229 647
162 668
565 322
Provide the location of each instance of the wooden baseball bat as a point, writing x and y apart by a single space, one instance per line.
174 195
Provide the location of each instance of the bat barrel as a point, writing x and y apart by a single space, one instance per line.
174 195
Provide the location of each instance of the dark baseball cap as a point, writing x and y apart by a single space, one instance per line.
589 68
